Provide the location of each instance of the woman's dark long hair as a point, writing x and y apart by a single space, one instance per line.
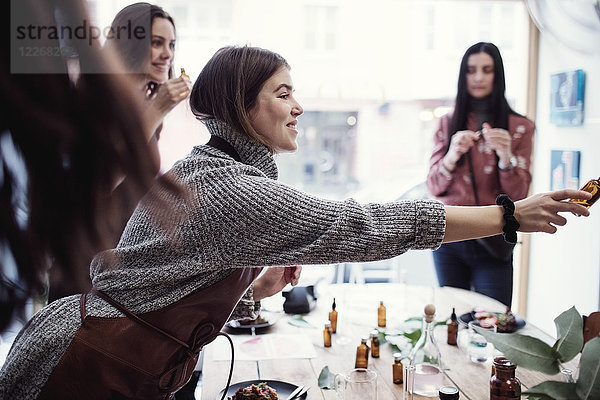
76 138
499 106
133 50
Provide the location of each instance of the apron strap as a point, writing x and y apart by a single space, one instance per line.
136 318
82 306
230 367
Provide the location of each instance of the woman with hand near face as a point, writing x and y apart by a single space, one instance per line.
481 150
236 217
149 58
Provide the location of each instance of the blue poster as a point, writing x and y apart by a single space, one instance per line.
567 98
564 170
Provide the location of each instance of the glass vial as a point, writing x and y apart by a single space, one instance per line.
503 384
592 186
381 320
362 354
375 344
448 393
327 334
397 369
183 74
452 329
426 358
333 317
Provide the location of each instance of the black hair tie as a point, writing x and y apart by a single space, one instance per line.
511 225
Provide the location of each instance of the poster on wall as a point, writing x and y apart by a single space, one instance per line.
567 98
564 169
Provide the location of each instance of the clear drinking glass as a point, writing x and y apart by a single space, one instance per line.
358 384
478 348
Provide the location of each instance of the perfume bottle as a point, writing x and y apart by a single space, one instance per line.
452 329
362 354
333 317
397 368
375 344
503 384
327 334
381 321
593 187
426 358
183 74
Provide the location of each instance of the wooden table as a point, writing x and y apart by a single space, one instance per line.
357 308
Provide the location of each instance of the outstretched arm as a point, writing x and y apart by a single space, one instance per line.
537 213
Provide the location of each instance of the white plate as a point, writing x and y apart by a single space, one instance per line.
270 319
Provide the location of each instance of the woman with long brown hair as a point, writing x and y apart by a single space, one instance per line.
67 137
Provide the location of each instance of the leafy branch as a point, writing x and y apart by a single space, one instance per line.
531 353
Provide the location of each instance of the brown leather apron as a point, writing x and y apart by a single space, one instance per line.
149 356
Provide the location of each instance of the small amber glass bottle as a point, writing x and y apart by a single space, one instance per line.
381 320
592 186
362 354
397 368
503 384
327 334
333 317
375 344
183 74
452 329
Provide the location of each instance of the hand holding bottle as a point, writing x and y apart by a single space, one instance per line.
540 212
460 143
498 140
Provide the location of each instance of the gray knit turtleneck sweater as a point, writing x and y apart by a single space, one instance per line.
233 215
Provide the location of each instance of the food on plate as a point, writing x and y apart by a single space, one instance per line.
249 321
505 322
262 391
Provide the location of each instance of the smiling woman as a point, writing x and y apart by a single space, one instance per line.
149 59
274 115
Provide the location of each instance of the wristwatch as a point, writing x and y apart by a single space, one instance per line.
512 162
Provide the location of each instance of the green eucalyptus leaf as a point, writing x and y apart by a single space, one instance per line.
326 378
525 351
588 384
569 329
554 390
413 336
300 322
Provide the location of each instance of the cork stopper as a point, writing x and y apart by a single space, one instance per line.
429 312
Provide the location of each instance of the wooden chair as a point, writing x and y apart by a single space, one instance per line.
591 326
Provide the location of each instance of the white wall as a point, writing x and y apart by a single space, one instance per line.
565 267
